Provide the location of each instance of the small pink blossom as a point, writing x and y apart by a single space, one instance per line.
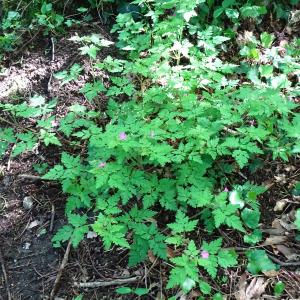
252 122
102 164
226 189
54 123
123 136
204 254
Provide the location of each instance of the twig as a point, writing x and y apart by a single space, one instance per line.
16 238
6 121
60 271
30 177
233 132
52 60
242 175
28 42
96 284
65 6
278 261
5 275
52 217
284 264
49 82
52 49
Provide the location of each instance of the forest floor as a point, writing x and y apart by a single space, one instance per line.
31 210
30 261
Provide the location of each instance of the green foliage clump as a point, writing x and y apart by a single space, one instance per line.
191 123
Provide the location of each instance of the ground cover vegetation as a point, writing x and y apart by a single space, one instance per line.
201 97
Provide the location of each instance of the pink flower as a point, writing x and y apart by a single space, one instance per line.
123 136
252 122
54 123
204 254
226 189
102 164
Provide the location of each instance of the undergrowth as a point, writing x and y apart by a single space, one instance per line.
193 103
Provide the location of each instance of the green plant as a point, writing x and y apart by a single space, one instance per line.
128 290
8 27
164 135
28 139
185 273
181 124
67 76
258 261
279 288
18 19
48 18
91 44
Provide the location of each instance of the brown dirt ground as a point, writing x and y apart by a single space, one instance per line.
30 261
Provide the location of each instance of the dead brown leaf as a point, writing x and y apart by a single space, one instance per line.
289 253
170 252
152 257
271 273
252 291
268 184
275 240
276 229
280 205
194 295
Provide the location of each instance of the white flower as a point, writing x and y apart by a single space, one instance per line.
235 199
188 284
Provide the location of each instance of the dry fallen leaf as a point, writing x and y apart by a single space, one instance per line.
280 178
153 259
288 168
287 224
194 294
170 252
276 229
280 205
289 253
268 184
275 240
271 273
252 291
33 224
276 224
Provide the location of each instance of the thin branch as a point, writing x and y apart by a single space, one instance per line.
6 121
231 131
30 177
97 284
276 260
52 60
52 217
284 264
60 271
5 276
28 42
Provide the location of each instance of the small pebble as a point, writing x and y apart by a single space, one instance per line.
280 205
33 224
6 181
27 202
26 246
91 235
